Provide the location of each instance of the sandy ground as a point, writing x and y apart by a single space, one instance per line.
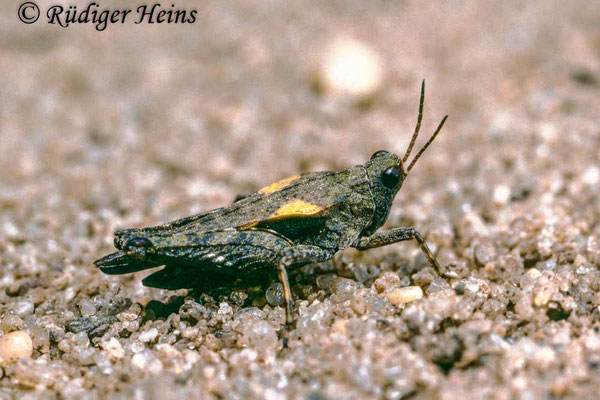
141 124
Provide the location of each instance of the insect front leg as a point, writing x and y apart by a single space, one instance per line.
396 235
297 255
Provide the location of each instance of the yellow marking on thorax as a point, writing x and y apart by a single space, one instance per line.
274 187
296 207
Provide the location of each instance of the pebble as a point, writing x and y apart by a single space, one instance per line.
323 281
484 253
438 285
317 316
146 361
87 308
501 194
350 68
529 279
523 307
591 176
64 345
149 335
261 335
404 295
10 230
15 345
340 326
81 340
114 349
11 322
343 287
274 294
225 309
543 291
24 308
238 297
386 280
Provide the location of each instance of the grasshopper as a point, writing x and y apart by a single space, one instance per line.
299 220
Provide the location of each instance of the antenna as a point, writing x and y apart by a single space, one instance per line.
419 119
439 128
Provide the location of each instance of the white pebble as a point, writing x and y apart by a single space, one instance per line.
146 361
140 360
69 294
351 68
15 345
404 295
149 335
24 308
10 230
136 347
591 176
225 309
501 194
114 349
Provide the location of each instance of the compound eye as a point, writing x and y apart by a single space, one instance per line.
390 177
379 153
136 243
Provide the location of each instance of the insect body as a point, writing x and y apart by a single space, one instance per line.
299 220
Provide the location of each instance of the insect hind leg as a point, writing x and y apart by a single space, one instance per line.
296 256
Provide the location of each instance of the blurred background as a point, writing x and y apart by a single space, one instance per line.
139 124
181 115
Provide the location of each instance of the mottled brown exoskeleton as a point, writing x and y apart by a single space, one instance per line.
299 220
